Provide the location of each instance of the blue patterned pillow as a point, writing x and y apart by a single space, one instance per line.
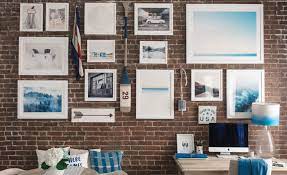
106 162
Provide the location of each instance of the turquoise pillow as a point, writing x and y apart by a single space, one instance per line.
106 162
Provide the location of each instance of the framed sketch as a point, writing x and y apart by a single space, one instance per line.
57 16
100 19
100 84
43 55
206 114
31 17
224 34
39 99
155 94
243 88
101 50
206 85
185 143
153 52
153 18
99 115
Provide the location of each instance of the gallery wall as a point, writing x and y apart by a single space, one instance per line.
148 145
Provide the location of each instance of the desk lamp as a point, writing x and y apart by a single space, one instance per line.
265 114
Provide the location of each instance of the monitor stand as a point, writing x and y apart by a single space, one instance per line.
226 155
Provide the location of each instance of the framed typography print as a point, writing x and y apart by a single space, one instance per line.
43 55
39 99
57 16
243 87
153 18
101 50
155 94
153 52
100 84
224 34
31 17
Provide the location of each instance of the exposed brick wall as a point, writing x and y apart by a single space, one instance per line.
148 144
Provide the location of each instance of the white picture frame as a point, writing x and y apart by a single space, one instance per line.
206 85
100 19
154 94
239 29
185 143
98 115
100 85
53 103
161 24
206 114
243 87
101 51
31 17
57 16
153 52
43 55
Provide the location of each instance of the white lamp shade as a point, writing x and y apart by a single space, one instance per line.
266 114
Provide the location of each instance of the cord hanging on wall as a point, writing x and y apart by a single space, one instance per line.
182 102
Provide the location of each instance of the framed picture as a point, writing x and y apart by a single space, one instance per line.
100 84
243 88
185 143
100 18
57 16
206 85
153 52
31 17
39 99
206 114
99 115
153 18
101 50
155 94
43 55
224 34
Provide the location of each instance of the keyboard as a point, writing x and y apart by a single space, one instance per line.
227 156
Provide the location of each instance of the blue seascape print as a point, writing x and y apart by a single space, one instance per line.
244 99
42 99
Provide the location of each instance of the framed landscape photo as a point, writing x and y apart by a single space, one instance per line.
153 18
206 85
100 84
43 55
155 94
42 99
101 50
57 16
31 17
224 34
243 87
100 19
153 52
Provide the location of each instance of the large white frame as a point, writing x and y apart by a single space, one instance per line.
218 72
241 57
153 61
153 5
113 71
61 84
155 89
231 87
100 43
101 9
62 42
40 27
57 6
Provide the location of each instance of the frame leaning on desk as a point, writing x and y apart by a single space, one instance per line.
213 166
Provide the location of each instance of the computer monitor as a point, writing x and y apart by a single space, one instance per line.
228 137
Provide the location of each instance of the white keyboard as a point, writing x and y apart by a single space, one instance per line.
227 156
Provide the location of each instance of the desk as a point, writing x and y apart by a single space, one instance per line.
213 166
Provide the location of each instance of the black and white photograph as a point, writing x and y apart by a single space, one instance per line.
31 17
57 16
153 52
43 55
153 18
100 84
206 85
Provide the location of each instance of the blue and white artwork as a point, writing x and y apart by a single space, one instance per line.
244 87
224 33
42 99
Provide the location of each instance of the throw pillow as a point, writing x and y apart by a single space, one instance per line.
41 155
106 162
80 160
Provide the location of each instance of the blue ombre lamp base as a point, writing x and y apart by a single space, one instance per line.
265 114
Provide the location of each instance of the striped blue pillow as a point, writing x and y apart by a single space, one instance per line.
106 162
